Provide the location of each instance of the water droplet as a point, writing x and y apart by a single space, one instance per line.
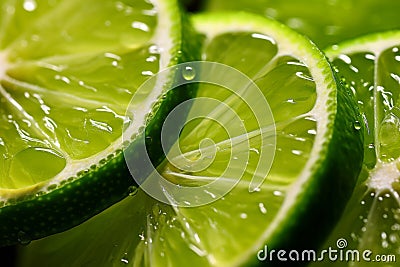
188 73
370 56
151 59
255 150
197 238
125 260
304 76
141 236
278 193
30 5
393 238
383 235
197 250
395 227
389 134
140 26
147 73
312 132
262 208
62 78
132 190
353 236
38 194
357 125
297 152
371 146
385 244
154 49
156 210
23 238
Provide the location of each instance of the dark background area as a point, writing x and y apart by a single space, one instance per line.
8 256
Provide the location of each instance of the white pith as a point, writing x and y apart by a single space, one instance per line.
162 39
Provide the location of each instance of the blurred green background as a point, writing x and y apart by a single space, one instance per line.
326 22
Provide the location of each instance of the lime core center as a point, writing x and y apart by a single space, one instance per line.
384 175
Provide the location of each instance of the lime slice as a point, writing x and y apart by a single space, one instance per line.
67 73
325 22
371 220
301 196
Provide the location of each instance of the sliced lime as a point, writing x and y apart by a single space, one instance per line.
325 22
68 70
294 205
371 220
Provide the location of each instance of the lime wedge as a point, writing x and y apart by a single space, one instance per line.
371 220
325 22
68 70
295 201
